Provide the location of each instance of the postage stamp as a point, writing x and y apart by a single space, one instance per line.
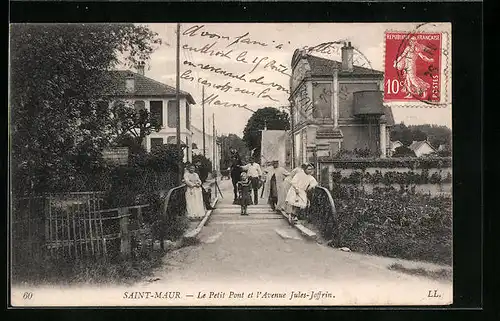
412 66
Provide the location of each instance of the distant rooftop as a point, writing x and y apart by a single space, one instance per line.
143 86
322 66
417 144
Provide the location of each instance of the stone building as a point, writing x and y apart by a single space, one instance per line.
337 106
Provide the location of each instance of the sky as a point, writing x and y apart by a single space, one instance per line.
265 50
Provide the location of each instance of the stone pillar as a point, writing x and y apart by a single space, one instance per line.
335 98
383 147
335 147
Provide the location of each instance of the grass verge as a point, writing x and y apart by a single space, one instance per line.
440 274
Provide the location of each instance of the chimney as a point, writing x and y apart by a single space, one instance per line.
130 83
347 57
140 68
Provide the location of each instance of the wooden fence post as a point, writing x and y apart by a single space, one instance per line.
125 249
140 222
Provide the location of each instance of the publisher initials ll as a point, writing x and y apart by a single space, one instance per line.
433 294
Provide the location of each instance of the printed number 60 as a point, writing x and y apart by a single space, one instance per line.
392 86
27 295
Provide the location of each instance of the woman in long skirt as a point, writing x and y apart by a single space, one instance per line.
194 196
275 188
297 194
287 185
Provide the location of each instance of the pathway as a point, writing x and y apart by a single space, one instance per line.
262 249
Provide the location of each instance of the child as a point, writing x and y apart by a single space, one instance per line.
244 192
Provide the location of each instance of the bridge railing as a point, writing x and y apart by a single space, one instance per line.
174 207
322 213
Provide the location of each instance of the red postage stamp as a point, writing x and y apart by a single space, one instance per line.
413 67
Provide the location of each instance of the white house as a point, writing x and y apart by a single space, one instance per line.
421 148
210 152
160 101
395 145
197 140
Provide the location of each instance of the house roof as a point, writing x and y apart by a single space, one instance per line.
396 142
322 66
416 145
389 117
144 86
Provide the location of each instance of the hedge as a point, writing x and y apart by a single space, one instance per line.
412 163
392 177
390 223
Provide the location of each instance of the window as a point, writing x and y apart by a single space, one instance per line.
188 116
172 114
322 100
139 105
129 84
171 140
156 142
156 110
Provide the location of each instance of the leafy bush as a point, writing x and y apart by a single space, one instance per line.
393 177
354 178
356 153
447 179
403 151
409 162
403 225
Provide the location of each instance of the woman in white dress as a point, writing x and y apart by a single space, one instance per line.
194 196
296 197
281 176
286 186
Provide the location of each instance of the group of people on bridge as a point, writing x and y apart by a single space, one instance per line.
284 190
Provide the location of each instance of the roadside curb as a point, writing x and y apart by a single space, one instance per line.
301 228
193 234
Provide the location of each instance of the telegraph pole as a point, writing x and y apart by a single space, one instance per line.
203 115
178 104
214 141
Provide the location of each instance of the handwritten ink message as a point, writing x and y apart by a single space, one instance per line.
229 53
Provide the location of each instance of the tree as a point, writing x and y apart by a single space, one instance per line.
58 74
132 125
268 117
402 133
228 142
418 135
436 135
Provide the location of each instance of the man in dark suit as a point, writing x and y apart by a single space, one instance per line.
235 171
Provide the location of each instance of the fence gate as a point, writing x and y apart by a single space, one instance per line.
63 225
